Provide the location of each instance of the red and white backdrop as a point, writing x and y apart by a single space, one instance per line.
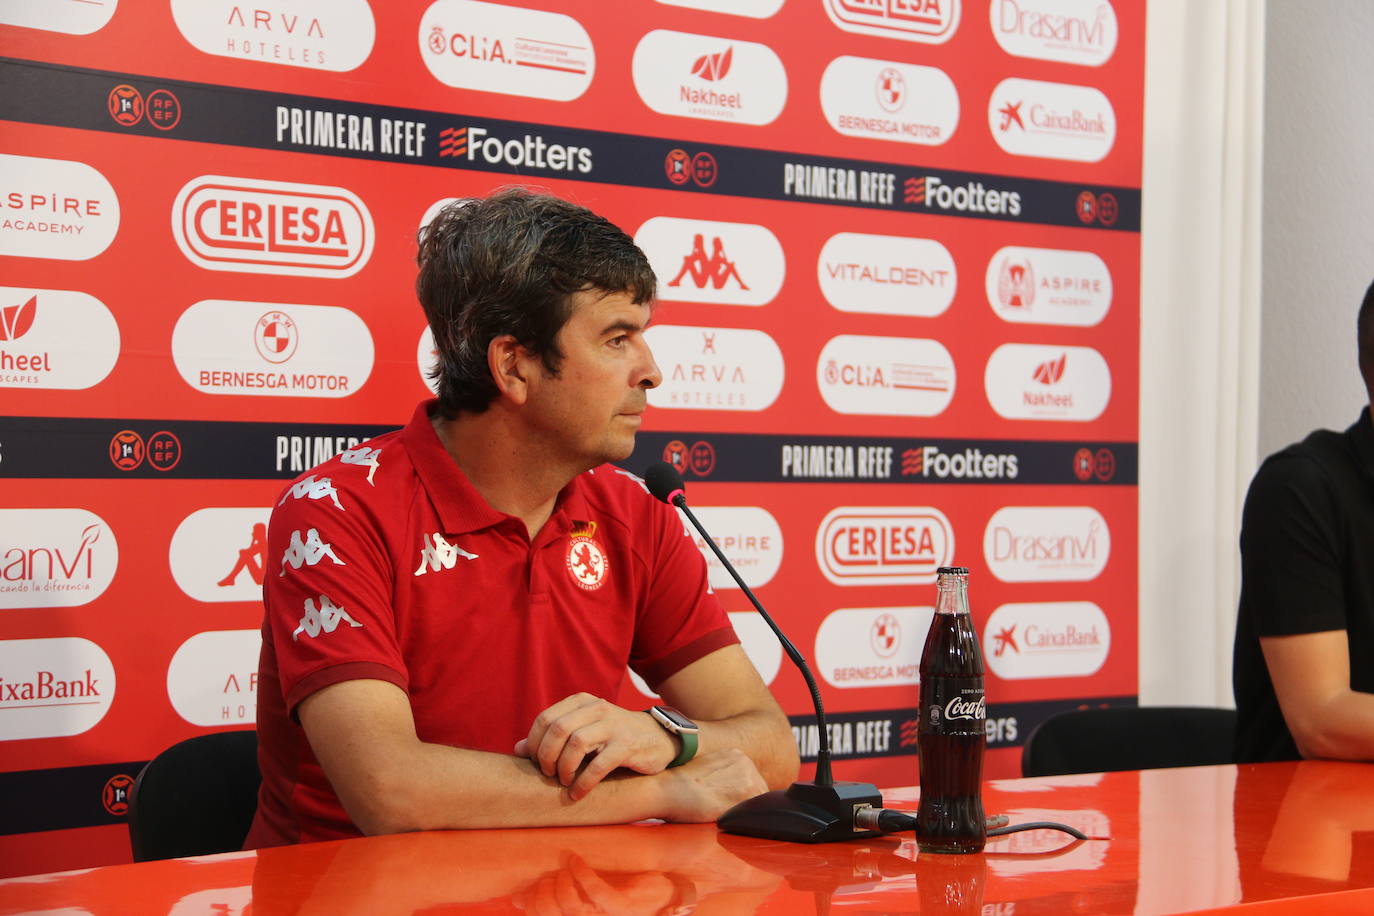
898 250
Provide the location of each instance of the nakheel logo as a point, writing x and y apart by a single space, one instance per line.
54 557
715 79
885 376
213 678
52 338
272 227
319 34
1036 382
749 535
220 554
886 275
75 17
281 350
1049 639
1048 286
883 545
707 261
1047 543
55 208
53 688
754 9
468 44
872 646
1051 120
927 21
889 100
1070 31
715 368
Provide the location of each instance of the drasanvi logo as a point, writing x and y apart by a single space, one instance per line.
254 225
55 338
889 100
749 535
715 262
715 368
75 17
758 642
54 557
715 79
885 376
220 553
426 359
1071 31
754 9
883 545
1051 120
53 688
55 208
928 21
319 34
272 349
1038 382
886 275
469 44
213 677
1047 543
1048 286
872 646
1047 639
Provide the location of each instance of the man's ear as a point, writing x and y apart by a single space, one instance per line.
510 365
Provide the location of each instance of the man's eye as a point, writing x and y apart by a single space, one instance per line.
619 341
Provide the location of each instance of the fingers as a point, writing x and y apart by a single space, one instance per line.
535 740
597 769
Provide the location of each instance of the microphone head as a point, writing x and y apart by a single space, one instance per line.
664 482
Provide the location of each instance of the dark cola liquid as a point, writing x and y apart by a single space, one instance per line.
951 737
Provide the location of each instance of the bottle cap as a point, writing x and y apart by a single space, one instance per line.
952 571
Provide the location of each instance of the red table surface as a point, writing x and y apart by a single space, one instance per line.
1262 839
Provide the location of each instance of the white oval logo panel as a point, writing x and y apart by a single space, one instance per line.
883 545
715 79
81 17
55 208
928 21
55 338
1051 120
889 100
886 275
272 227
54 557
885 376
213 677
719 263
1048 286
1071 31
427 359
468 44
219 554
715 368
273 349
749 536
1048 639
53 687
755 9
318 34
435 207
872 646
1047 543
1037 382
759 642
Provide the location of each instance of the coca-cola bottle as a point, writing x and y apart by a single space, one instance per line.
953 719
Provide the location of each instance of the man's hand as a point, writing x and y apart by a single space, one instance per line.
705 787
570 731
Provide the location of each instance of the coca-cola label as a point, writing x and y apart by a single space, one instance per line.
954 706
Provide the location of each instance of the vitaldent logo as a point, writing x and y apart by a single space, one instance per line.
1048 286
1049 639
1051 120
716 262
886 275
75 17
872 646
272 227
889 100
885 376
883 545
213 677
53 338
478 144
54 557
932 191
715 79
318 34
715 368
749 535
52 688
1037 382
1071 31
55 208
1047 543
927 21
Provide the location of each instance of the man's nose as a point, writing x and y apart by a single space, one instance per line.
650 376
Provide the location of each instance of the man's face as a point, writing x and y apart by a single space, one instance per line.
590 411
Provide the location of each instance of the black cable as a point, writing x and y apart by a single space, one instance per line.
890 820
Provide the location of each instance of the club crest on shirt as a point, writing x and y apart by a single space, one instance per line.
587 562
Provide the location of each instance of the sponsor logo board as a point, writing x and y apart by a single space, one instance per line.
754 9
51 338
885 376
927 21
1048 286
272 349
889 100
55 208
1040 382
714 262
883 545
75 17
1047 543
749 535
759 644
220 553
1070 31
1046 639
427 360
872 646
1051 120
714 79
715 368
886 275
53 688
54 557
212 679
318 34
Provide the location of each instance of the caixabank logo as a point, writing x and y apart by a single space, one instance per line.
53 688
715 79
928 21
1052 120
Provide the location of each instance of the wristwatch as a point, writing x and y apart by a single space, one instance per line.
675 723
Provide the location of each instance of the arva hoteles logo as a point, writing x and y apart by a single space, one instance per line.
708 368
54 557
335 35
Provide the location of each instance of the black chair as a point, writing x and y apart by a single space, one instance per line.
1129 738
195 798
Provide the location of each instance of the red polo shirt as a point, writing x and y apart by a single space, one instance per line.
385 563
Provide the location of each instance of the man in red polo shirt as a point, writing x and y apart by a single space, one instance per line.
448 605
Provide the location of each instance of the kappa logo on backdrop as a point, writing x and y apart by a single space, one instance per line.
307 552
438 553
324 618
713 262
251 558
718 269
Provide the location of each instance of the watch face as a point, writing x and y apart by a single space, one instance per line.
677 718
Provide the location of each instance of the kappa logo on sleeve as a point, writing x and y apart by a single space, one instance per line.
437 554
366 457
325 618
308 552
310 488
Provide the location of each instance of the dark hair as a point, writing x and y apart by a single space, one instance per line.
1364 329
509 264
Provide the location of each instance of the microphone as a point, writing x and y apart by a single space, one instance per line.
820 811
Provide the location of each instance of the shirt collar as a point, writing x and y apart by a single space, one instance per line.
1361 433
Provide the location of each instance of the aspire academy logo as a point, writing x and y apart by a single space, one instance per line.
1048 286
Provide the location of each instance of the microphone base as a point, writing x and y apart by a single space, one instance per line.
804 813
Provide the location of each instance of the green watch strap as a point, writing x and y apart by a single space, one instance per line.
689 749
